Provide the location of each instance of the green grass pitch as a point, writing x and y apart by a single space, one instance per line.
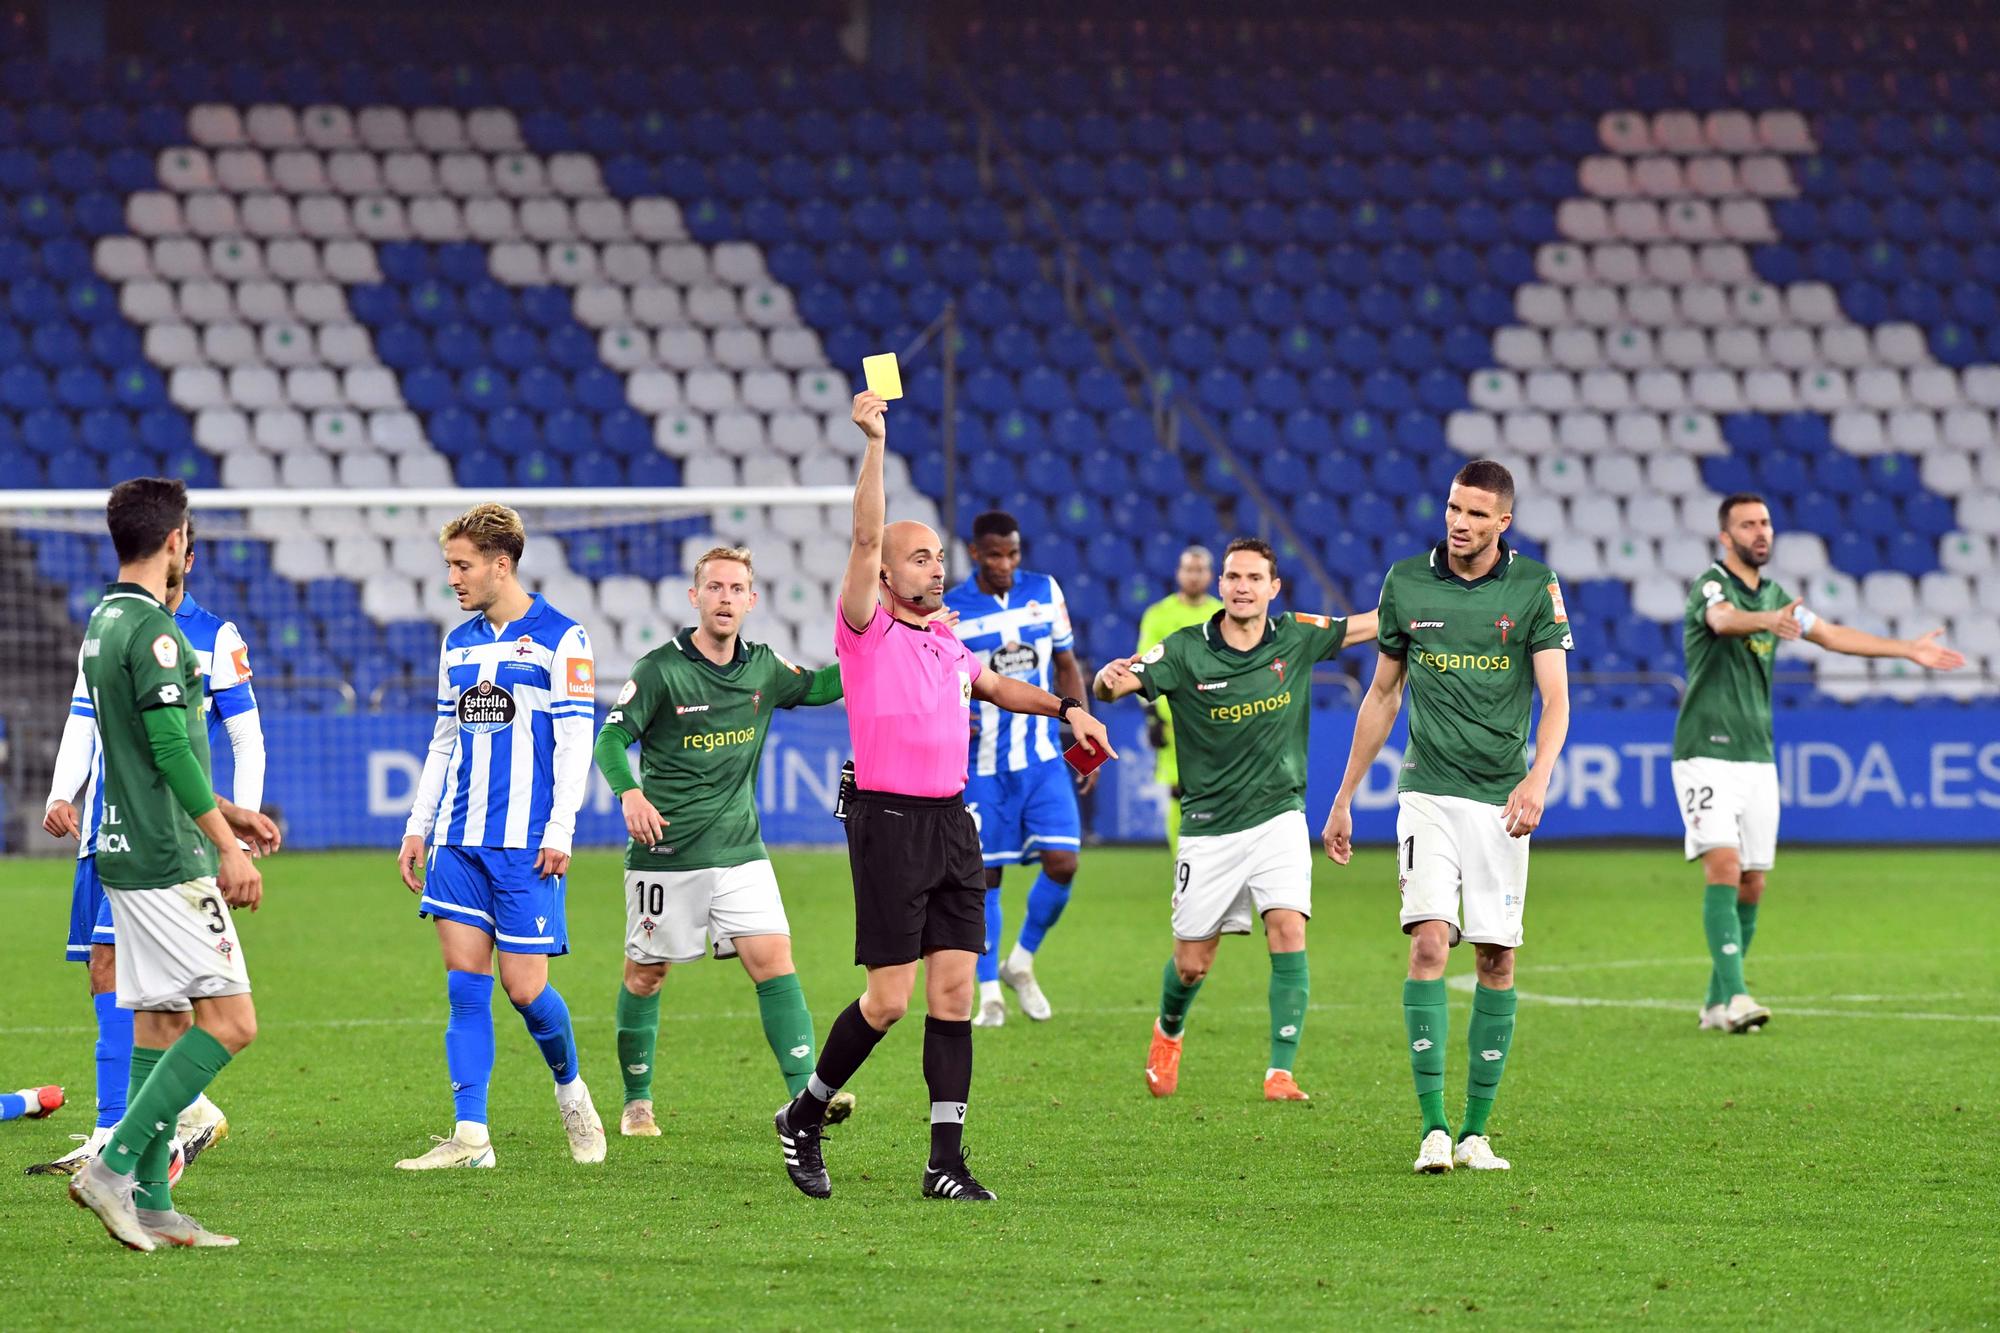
1836 1171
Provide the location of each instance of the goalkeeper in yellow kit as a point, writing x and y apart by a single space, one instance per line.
1191 603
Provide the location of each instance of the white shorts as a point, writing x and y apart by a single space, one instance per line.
672 915
1729 803
1223 882
176 946
1454 855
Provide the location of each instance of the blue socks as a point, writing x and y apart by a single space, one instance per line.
468 1042
12 1106
114 1058
988 964
548 1023
1045 907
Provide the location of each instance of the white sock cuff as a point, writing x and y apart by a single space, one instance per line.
947 1113
817 1089
471 1132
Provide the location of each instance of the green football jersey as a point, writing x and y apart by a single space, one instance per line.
1240 718
701 731
1726 708
1470 648
135 658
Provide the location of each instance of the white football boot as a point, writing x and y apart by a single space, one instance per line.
1745 1014
1018 971
580 1122
1476 1154
636 1121
73 1161
112 1197
1434 1156
200 1127
450 1152
178 1228
992 1014
1714 1018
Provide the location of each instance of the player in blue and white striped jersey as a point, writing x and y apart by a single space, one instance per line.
498 802
76 795
1017 787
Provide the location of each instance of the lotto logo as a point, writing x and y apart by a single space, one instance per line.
1490 1056
1289 1030
630 1069
800 1052
1422 1044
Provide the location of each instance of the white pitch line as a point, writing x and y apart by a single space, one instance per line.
1466 984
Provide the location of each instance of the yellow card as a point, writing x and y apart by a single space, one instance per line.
885 378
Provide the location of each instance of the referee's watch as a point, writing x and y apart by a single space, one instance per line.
1063 706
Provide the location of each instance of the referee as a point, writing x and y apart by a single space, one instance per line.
919 881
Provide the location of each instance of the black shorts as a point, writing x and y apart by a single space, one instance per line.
919 881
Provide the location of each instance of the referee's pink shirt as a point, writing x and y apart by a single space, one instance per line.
909 704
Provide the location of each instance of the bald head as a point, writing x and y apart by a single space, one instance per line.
913 565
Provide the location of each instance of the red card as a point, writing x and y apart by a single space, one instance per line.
1084 759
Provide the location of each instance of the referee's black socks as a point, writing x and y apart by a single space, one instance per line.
948 1074
848 1044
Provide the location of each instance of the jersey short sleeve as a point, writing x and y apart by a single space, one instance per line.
789 682
1391 635
1551 625
229 673
1159 669
573 676
850 642
640 699
155 659
1325 635
1062 635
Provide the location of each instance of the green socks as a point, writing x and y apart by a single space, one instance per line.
1746 924
157 1157
1725 941
1491 1034
163 1083
638 1032
788 1026
1290 983
1425 1018
1175 997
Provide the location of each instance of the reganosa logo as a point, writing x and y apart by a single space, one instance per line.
1443 662
1237 712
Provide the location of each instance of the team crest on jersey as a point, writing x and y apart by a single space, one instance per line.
756 700
1155 653
485 708
524 646
1279 667
1503 624
166 652
625 695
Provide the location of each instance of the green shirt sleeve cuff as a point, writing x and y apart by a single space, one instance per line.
825 687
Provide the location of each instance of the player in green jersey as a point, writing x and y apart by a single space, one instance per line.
168 855
1476 629
1191 604
697 876
1725 770
1240 684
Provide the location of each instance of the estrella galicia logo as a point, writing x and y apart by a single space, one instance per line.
485 707
1015 659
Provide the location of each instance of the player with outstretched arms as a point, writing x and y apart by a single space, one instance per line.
1725 770
169 856
1020 792
497 802
696 872
75 796
1476 629
1240 685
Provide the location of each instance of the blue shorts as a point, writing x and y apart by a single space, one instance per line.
89 913
1021 813
497 890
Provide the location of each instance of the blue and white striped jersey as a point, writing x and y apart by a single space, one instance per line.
225 670
1015 633
511 751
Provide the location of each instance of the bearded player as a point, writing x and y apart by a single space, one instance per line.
1725 769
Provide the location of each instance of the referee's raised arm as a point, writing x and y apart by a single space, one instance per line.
864 557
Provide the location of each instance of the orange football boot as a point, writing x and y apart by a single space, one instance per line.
1163 1064
1280 1087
